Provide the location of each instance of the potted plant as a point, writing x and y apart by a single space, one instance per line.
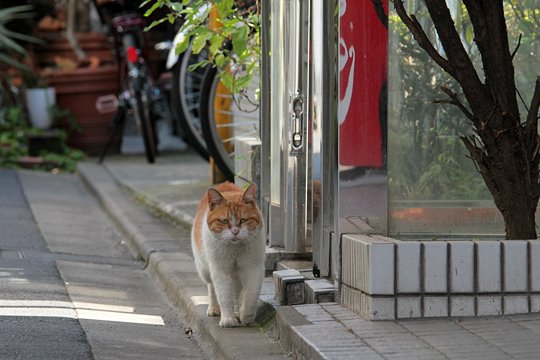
79 64
40 99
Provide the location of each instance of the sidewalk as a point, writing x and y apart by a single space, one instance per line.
172 188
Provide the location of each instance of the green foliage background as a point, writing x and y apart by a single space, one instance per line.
233 45
426 159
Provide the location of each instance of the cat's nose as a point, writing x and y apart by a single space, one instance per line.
235 230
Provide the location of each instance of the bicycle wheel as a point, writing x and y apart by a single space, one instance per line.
227 119
186 92
137 95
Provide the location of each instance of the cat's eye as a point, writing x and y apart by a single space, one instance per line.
242 221
224 221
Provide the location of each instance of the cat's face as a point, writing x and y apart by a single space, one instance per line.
233 217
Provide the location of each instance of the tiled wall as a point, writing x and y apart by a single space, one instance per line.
384 278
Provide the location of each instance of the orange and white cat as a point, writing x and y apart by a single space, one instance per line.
228 246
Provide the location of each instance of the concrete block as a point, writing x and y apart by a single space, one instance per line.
378 308
319 291
408 267
409 307
518 304
535 303
489 305
368 264
370 308
535 264
515 266
289 287
488 258
461 267
435 267
351 298
435 306
462 306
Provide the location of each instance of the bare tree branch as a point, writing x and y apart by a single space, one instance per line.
532 116
517 47
465 73
421 37
379 10
454 100
487 18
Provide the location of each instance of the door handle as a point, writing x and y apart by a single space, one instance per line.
297 119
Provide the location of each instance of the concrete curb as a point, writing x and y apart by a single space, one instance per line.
176 272
173 214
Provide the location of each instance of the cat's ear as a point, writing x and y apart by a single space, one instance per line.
214 198
250 195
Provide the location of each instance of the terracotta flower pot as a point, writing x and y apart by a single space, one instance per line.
93 44
78 90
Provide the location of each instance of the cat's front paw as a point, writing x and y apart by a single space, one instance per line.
213 311
229 322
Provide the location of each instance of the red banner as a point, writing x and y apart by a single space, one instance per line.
363 58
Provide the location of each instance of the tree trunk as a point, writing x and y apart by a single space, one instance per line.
504 177
505 149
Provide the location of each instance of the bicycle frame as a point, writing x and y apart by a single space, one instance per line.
137 96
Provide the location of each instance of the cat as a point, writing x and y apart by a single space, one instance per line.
228 247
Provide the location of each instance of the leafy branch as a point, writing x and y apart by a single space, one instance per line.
228 29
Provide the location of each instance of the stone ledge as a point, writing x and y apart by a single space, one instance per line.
385 278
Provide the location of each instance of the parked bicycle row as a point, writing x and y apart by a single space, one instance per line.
200 109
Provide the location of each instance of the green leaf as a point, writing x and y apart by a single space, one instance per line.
155 23
7 12
154 7
8 43
219 60
216 41
175 6
144 3
201 63
182 44
242 82
225 7
200 39
239 40
11 62
227 79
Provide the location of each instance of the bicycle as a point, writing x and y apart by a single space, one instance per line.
226 120
185 93
139 96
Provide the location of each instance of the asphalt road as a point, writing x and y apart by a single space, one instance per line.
69 287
